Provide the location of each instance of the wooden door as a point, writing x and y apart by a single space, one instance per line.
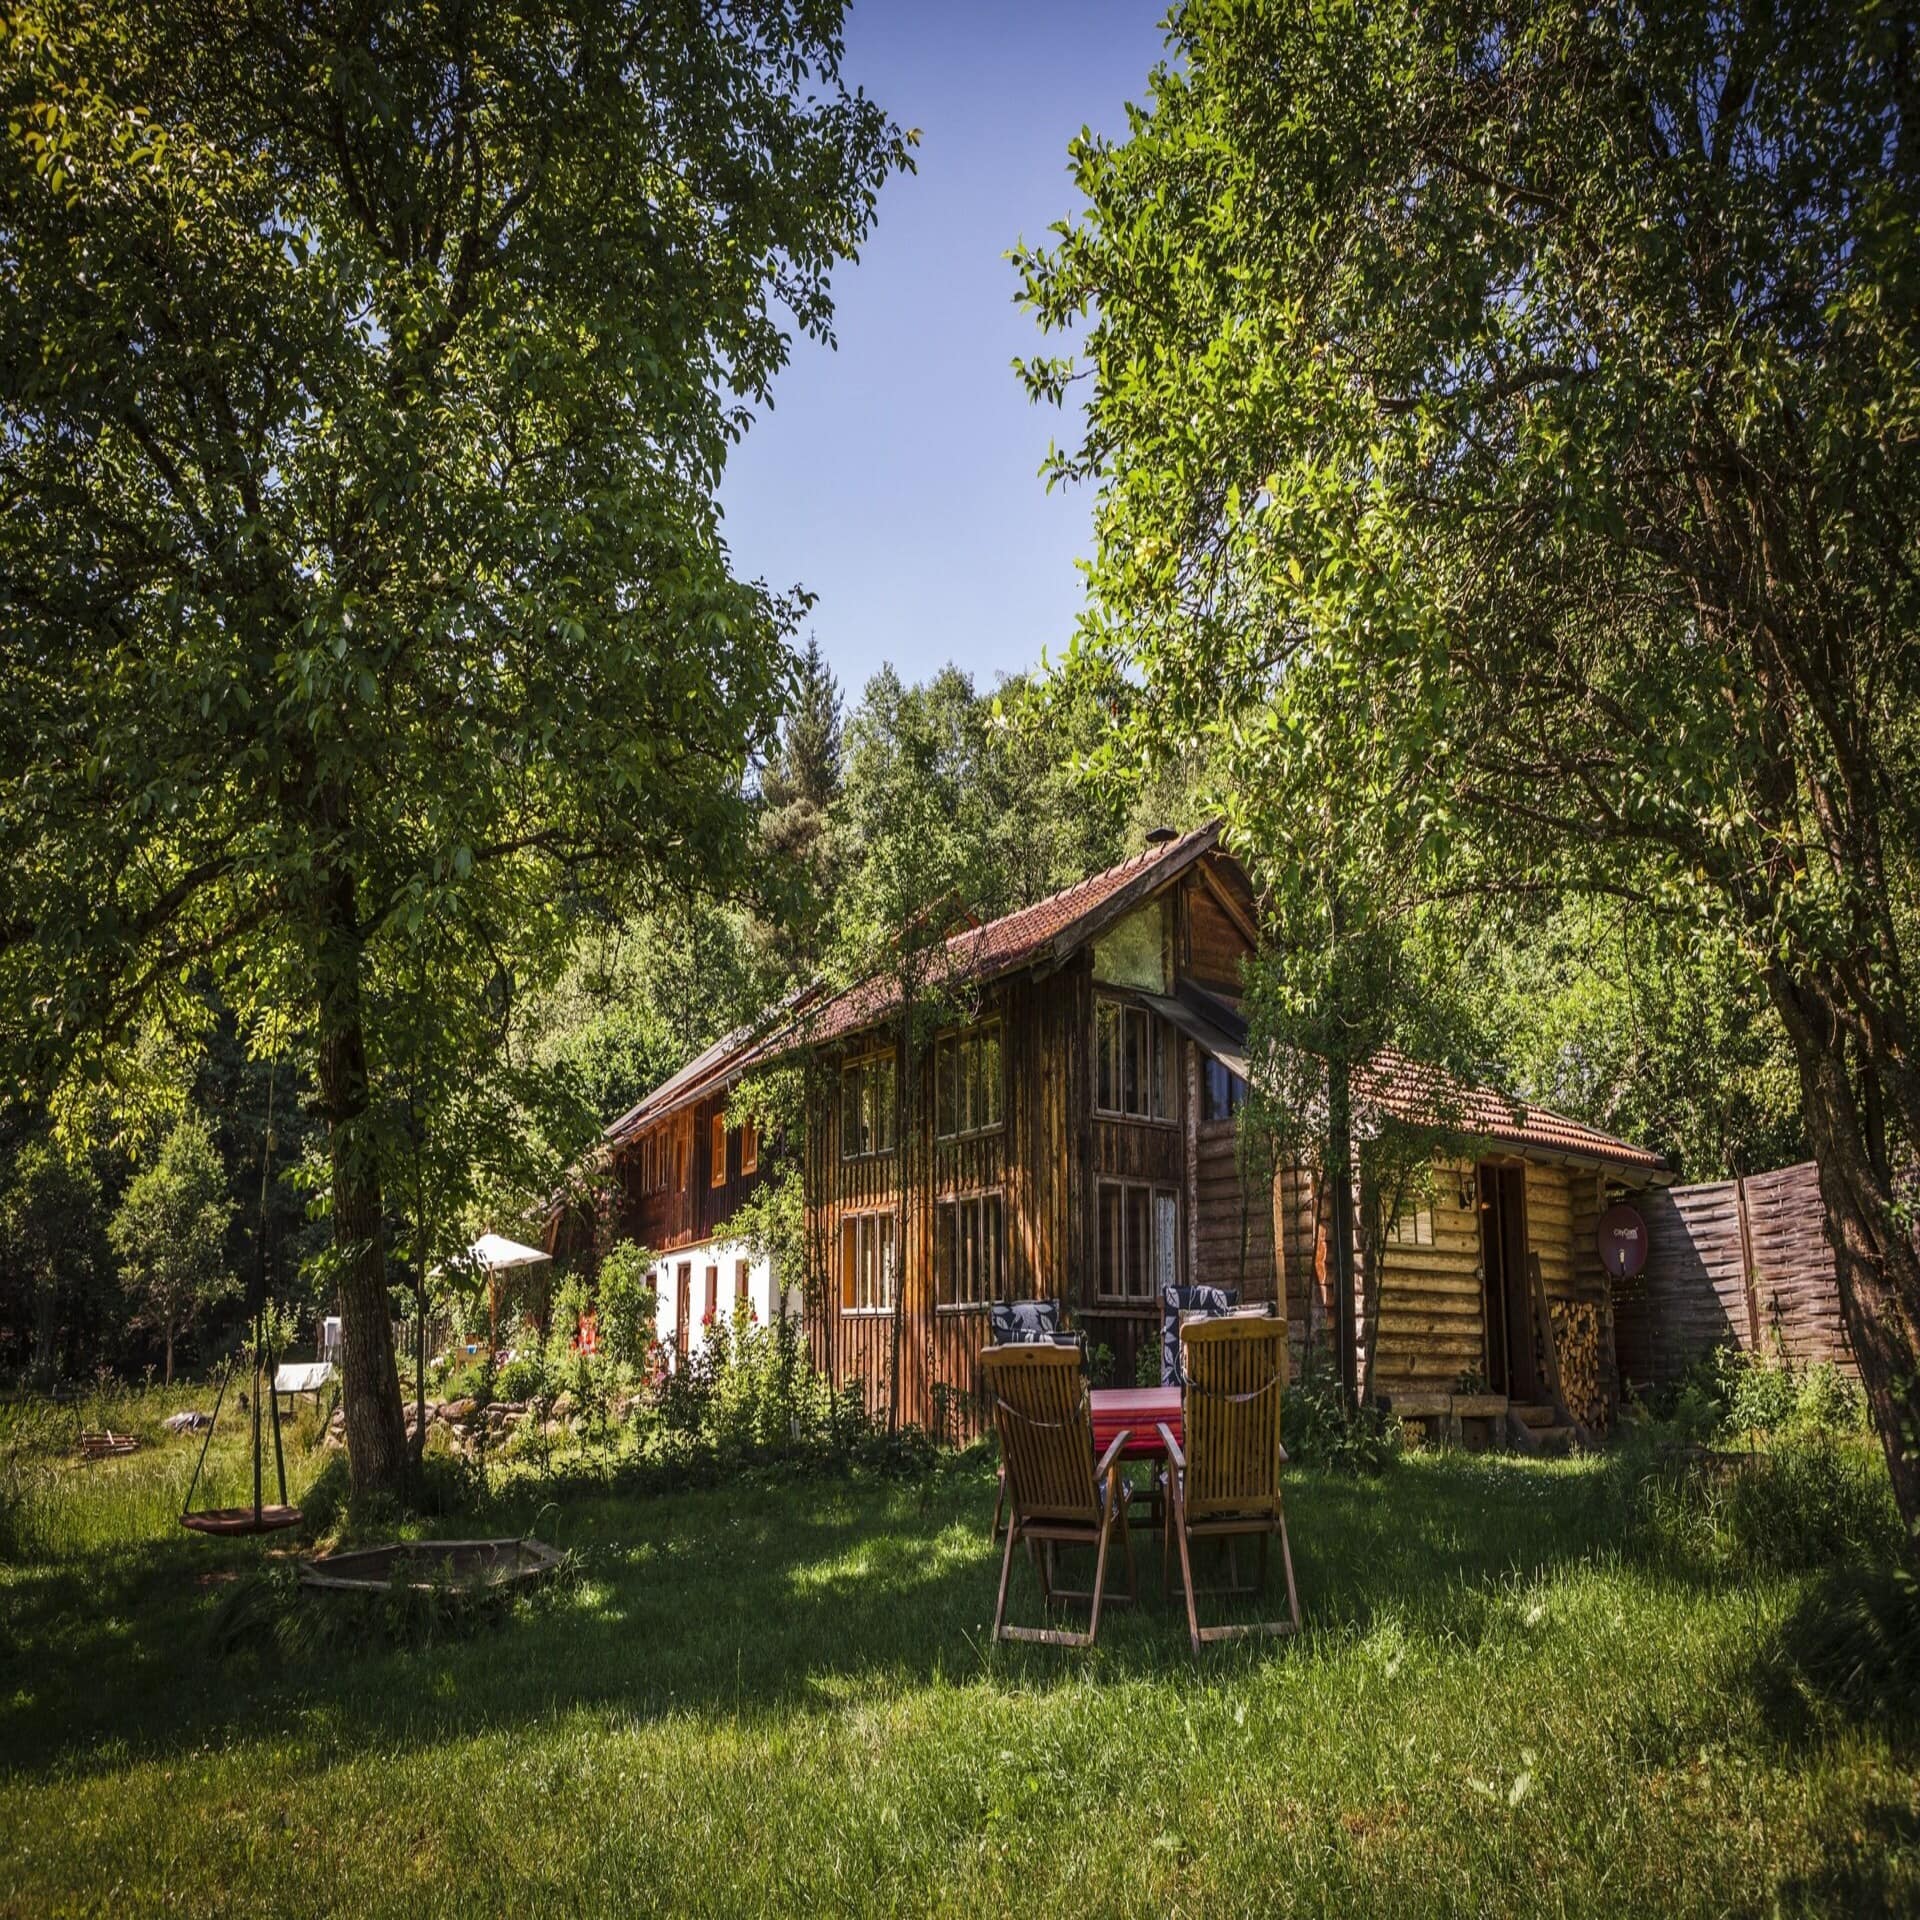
1507 1299
682 1305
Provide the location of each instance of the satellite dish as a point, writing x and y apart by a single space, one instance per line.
1621 1239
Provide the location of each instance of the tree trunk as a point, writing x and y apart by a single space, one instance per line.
370 1378
1875 1259
1340 1226
169 1340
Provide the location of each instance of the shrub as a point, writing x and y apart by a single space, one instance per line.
1319 1429
627 1304
1809 1501
523 1379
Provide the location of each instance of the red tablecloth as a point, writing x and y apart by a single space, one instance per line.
1141 1410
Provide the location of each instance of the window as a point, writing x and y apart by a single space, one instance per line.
1413 1229
967 1082
749 1148
742 1275
713 1297
682 1305
1223 1092
969 1257
866 1262
866 1106
1133 1063
656 1161
718 1176
1139 1240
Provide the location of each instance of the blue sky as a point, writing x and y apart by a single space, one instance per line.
897 477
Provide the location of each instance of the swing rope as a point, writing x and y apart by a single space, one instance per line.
260 1518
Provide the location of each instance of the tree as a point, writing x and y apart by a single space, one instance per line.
170 1233
365 379
1539 384
50 1207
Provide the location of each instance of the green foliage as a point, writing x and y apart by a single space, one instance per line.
625 1303
375 624
1507 440
50 1222
1321 1427
170 1233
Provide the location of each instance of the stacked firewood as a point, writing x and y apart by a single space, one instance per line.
1576 1336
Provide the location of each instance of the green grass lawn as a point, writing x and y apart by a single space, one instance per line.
781 1696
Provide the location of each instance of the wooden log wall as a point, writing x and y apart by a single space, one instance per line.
1733 1263
1432 1327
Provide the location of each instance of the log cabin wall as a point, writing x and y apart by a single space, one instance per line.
668 1199
1432 1326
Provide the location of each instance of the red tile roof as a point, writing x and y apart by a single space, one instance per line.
1060 922
1408 1089
1423 1095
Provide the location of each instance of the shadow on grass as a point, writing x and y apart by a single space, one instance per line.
753 1599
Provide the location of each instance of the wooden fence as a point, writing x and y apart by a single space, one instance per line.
1739 1263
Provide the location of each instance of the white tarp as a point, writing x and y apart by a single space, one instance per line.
306 1377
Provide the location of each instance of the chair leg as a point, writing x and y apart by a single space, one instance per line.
1286 1560
1186 1572
1126 1542
1099 1582
1265 1538
999 1507
1006 1570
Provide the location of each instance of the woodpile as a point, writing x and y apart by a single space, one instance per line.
1577 1341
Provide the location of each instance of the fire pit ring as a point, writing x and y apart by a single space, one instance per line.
423 1566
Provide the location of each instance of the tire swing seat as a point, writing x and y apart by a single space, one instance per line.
235 1521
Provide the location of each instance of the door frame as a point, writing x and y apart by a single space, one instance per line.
1506 1290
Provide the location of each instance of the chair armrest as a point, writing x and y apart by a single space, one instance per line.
1104 1465
1284 1461
1172 1446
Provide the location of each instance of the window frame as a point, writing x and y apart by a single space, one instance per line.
951 1206
856 1070
717 1146
1161 1062
953 1050
1154 1191
880 1221
1413 1219
1235 1088
749 1147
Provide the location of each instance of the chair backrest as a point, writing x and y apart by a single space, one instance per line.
1230 1412
1040 1411
1019 1323
1174 1301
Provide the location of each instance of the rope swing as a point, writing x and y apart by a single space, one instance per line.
260 1517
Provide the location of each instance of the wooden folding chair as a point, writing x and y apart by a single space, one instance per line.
1225 1481
1057 1494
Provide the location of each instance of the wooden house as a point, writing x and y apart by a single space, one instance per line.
1076 1133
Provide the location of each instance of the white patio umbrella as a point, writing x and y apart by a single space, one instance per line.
496 1254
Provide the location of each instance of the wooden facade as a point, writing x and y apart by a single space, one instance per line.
1073 1138
667 1197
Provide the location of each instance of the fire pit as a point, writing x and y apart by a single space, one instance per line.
438 1566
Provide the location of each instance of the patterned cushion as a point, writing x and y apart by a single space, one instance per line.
1174 1301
